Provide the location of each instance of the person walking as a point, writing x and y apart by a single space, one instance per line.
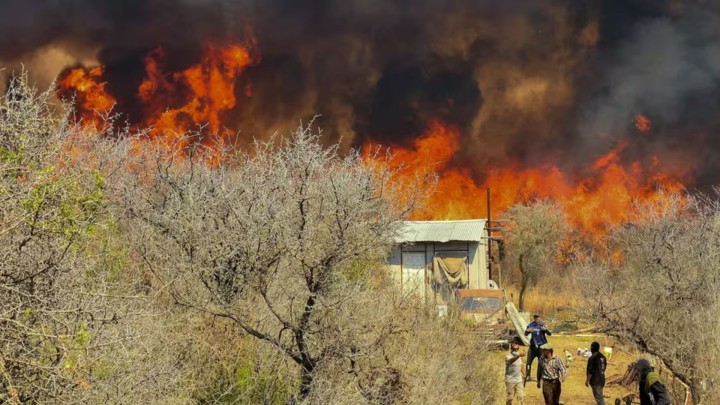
539 332
514 375
595 376
651 387
551 375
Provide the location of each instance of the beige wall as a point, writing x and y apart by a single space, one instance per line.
477 257
394 263
478 265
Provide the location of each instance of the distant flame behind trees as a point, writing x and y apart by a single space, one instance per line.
87 85
594 104
594 203
197 98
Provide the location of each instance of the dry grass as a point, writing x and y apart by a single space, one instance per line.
539 300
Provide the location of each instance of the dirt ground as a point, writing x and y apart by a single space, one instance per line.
574 391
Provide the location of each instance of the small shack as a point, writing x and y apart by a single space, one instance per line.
430 255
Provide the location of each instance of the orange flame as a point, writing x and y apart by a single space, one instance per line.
642 123
173 103
593 203
210 87
93 101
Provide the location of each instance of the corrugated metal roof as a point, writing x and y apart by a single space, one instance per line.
442 231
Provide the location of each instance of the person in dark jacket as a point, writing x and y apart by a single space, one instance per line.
652 388
539 332
595 376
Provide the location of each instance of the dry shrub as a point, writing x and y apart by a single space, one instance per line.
425 359
663 293
288 242
130 274
59 255
78 321
253 374
548 297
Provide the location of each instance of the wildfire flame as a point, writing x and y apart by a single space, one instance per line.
92 99
210 92
642 123
593 203
173 103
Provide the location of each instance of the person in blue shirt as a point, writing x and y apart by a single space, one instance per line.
539 332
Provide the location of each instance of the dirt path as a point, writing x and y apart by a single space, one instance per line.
574 391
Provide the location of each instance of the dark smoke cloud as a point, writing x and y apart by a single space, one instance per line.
662 67
128 24
529 81
667 68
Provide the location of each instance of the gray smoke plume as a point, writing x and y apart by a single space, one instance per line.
667 69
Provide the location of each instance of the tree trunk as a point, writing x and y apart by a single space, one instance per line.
523 283
307 362
305 383
694 394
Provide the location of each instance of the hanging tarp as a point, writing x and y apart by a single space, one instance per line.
451 271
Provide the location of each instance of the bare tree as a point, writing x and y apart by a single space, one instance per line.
660 290
77 323
534 240
288 243
278 251
55 287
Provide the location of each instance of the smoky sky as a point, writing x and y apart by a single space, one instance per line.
524 81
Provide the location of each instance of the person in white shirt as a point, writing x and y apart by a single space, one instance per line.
514 375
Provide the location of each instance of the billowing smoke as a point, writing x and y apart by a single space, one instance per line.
526 81
666 68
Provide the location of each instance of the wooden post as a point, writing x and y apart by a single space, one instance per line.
488 225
